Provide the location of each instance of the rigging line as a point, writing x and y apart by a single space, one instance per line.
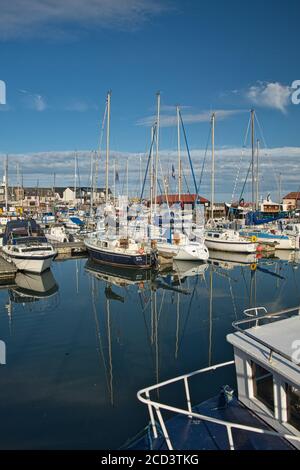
185 180
242 155
204 159
188 314
100 144
98 333
147 332
165 189
232 298
188 152
245 182
266 148
161 305
148 162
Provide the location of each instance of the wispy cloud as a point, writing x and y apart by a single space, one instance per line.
34 101
42 165
21 19
167 120
270 95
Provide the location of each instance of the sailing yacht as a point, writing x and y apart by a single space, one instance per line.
180 248
117 251
25 245
229 240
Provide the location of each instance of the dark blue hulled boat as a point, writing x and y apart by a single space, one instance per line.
121 252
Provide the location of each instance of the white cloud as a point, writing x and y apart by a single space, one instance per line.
204 116
42 165
20 19
34 101
270 95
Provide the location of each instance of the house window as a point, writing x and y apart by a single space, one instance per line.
293 406
263 385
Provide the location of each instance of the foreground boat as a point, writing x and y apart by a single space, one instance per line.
25 245
121 252
263 415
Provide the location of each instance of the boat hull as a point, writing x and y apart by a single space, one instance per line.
232 247
36 264
141 261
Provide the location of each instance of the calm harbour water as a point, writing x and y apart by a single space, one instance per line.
80 346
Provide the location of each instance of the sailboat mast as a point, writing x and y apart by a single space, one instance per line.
6 183
157 147
253 157
151 174
114 179
75 177
107 146
179 152
127 186
257 173
212 164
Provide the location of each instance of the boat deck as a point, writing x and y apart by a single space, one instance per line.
193 434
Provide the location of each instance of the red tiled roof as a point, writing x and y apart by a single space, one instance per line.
292 195
184 198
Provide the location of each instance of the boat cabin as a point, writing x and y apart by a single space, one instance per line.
267 361
262 414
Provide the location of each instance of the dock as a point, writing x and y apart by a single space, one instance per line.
69 250
7 271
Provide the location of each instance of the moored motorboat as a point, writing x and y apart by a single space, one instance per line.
25 245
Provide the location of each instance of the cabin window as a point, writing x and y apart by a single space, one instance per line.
263 386
293 406
216 235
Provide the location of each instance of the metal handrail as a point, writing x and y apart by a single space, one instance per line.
154 406
256 319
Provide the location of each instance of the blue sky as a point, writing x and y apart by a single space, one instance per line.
58 60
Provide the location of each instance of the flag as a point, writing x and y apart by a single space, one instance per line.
117 175
173 172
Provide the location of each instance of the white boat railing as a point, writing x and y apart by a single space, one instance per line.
155 408
255 318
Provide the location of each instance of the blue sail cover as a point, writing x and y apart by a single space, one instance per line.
259 218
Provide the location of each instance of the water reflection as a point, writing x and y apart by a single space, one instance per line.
78 366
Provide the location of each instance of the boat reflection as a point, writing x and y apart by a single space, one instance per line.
32 288
119 276
232 260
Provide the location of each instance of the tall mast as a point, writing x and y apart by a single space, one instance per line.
257 174
157 147
6 183
75 177
141 181
114 187
91 184
253 157
151 174
179 155
107 145
212 165
279 188
18 183
127 187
